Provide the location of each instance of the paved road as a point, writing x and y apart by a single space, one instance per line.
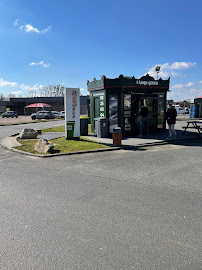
104 211
13 129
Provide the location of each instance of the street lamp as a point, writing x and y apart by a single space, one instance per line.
157 69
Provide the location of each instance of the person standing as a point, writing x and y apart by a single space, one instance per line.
144 121
171 115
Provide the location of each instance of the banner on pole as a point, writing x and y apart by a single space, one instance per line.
72 113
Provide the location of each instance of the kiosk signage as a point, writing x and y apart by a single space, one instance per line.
72 113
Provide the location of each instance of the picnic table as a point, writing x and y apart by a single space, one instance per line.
194 124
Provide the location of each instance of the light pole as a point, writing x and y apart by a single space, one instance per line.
157 70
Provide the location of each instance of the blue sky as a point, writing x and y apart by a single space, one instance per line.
66 42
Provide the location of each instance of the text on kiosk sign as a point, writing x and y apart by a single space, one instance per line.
149 83
74 103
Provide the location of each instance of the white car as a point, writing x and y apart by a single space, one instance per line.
62 114
56 113
180 110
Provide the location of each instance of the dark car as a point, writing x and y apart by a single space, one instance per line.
43 115
10 114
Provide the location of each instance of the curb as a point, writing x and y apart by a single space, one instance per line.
113 148
24 123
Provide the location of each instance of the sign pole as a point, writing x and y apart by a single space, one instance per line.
72 113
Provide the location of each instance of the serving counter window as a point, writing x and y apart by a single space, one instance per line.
151 103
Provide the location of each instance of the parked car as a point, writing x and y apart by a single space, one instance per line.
180 110
10 114
42 115
62 114
56 113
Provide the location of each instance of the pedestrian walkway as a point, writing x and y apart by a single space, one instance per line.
155 138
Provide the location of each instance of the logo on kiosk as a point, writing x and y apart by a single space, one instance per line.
149 83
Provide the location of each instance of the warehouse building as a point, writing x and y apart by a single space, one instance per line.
57 103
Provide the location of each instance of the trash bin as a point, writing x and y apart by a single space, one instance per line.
84 126
117 136
101 127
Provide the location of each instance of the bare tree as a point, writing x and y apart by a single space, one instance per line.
2 97
52 91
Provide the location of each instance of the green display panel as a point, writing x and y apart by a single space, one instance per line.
70 129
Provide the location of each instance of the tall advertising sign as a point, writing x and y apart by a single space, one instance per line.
72 113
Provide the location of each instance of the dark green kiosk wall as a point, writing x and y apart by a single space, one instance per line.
97 106
121 108
120 99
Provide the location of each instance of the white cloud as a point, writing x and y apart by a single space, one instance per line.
189 84
17 92
169 69
4 83
182 85
195 91
177 86
33 64
181 65
30 28
41 63
46 30
200 82
174 74
35 87
16 22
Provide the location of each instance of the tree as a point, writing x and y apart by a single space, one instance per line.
52 91
2 97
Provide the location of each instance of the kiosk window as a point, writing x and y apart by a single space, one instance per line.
127 112
151 103
127 102
113 112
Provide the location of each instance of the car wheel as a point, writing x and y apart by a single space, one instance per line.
16 116
33 118
46 117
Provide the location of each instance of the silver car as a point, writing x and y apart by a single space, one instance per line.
43 115
10 114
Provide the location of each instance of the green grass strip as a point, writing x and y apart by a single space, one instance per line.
61 145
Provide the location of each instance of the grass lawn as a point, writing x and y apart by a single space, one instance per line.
62 129
55 129
61 145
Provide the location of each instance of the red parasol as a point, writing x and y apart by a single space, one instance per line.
38 105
